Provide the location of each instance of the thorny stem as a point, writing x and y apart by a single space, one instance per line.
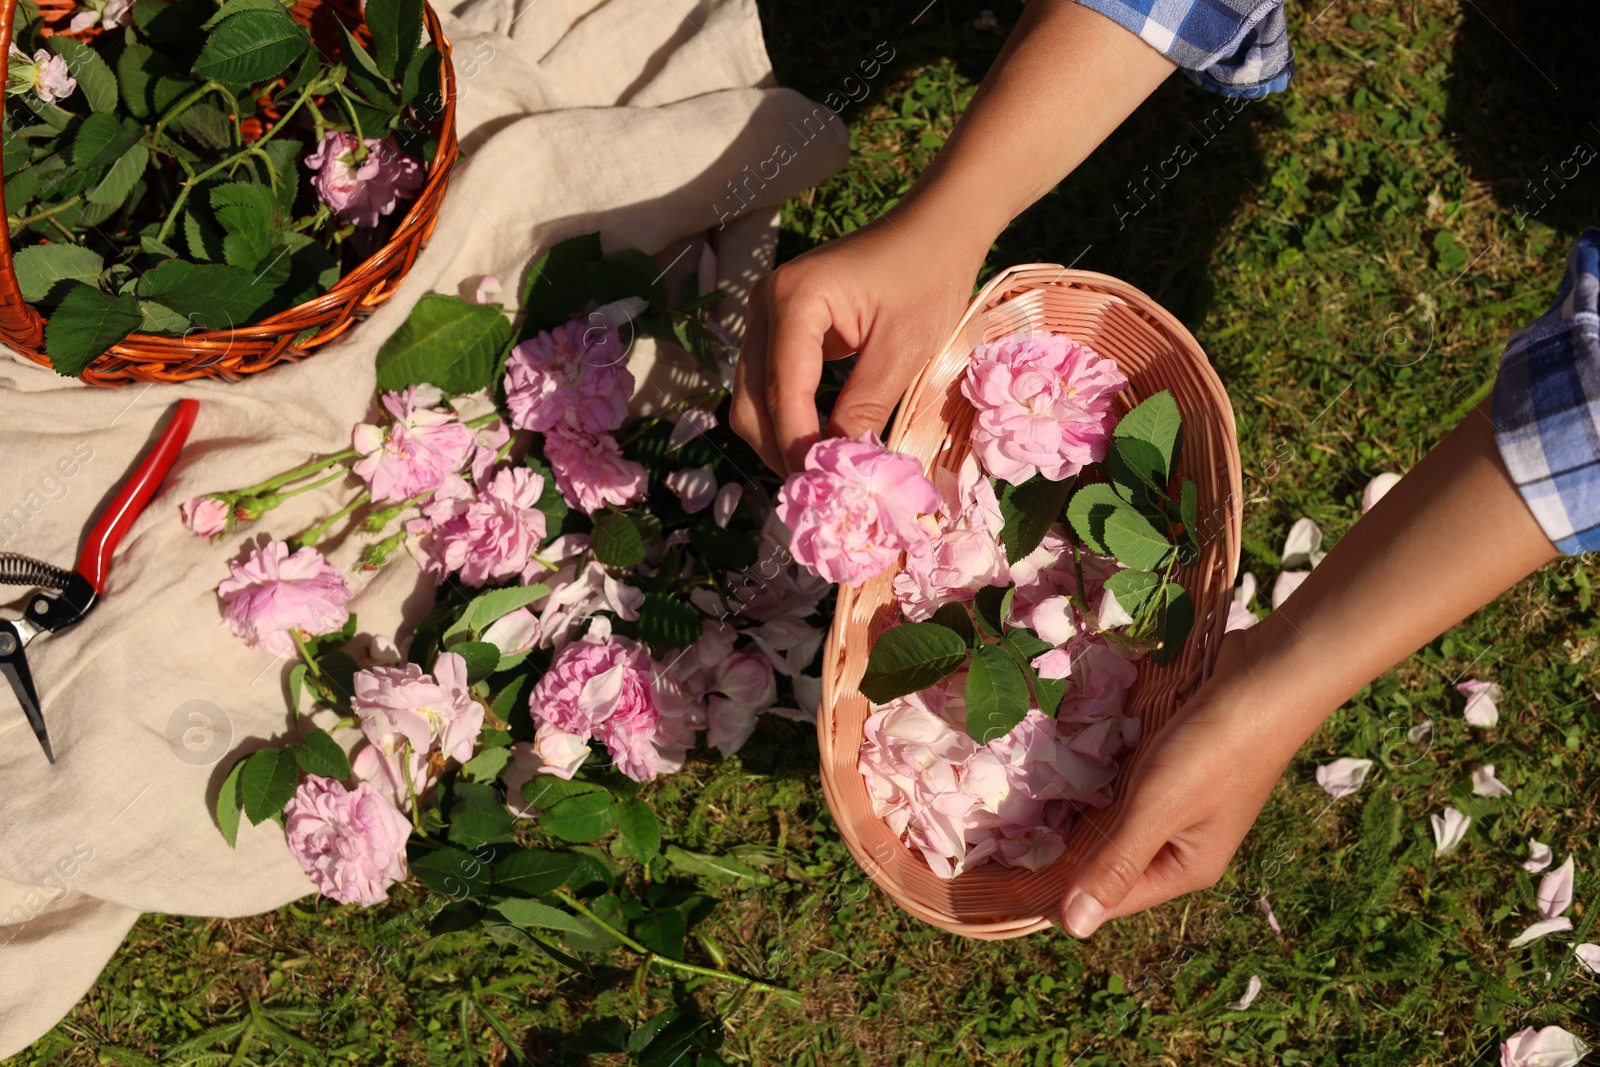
651 957
22 220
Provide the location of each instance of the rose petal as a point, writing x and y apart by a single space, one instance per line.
1483 701
1252 990
1376 490
1343 776
1272 920
1549 1047
1588 955
1286 584
1540 856
1540 929
1448 829
1555 891
1485 784
1304 541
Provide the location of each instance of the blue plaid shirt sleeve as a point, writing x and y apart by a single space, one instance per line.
1232 47
1547 407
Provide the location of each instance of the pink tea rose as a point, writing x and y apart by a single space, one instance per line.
110 14
351 842
273 593
400 705
362 192
485 533
422 447
574 376
855 508
602 689
46 76
205 516
964 553
1044 405
591 471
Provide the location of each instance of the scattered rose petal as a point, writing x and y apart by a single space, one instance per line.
1588 955
487 291
727 503
696 487
1343 776
1540 856
1303 545
1272 920
706 271
1252 990
1286 584
1420 732
1555 891
1549 1047
1485 784
617 314
1240 617
1483 701
1376 490
689 424
1448 829
1111 614
1540 929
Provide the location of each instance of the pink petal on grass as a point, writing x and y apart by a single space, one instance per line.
1286 584
1483 701
1376 490
1449 827
1343 776
1540 856
1549 1047
1252 990
1540 929
1588 955
1485 784
1303 545
1555 891
1272 920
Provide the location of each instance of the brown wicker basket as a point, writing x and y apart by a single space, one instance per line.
1155 351
286 335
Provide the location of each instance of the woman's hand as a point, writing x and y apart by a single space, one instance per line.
1191 799
887 291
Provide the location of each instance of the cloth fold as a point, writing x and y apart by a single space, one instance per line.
622 116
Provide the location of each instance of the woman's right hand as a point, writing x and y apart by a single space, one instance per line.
888 291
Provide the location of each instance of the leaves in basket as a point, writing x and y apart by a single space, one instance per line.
148 81
1024 646
953 616
95 79
396 27
1174 619
667 622
616 540
250 217
1133 590
1028 511
1113 527
211 295
1157 422
252 46
46 272
119 181
997 694
990 607
85 324
910 658
445 341
102 139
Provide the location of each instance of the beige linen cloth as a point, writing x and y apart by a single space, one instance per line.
630 117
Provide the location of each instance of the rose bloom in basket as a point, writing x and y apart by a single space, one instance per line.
999 694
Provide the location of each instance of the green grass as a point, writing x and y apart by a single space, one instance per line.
1350 255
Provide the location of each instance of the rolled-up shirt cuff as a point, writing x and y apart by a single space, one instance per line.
1232 47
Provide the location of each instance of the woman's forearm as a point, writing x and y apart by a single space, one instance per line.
1067 77
1452 535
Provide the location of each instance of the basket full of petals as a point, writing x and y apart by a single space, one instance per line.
1035 572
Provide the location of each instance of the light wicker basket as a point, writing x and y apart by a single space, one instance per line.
1155 352
290 334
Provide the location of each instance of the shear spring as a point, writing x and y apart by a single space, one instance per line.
23 570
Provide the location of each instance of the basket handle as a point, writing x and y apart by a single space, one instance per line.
20 323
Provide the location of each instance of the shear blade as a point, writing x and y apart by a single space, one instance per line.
14 666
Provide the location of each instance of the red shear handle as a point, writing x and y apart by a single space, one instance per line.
134 495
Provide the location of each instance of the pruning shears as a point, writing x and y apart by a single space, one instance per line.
65 597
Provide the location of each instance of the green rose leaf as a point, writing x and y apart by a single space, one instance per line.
534 871
1024 646
148 80
953 616
1175 619
1137 471
481 656
485 608
623 273
45 272
729 550
85 324
1111 526
319 753
640 829
722 868
477 816
369 80
268 783
252 46
910 658
95 79
535 915
581 818
668 622
1028 511
1133 590
211 295
1157 422
229 803
119 181
557 285
1188 508
487 764
997 694
616 541
249 214
234 7
455 873
102 140
544 791
396 27
990 607
157 319
447 342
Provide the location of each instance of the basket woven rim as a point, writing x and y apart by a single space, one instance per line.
1218 566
